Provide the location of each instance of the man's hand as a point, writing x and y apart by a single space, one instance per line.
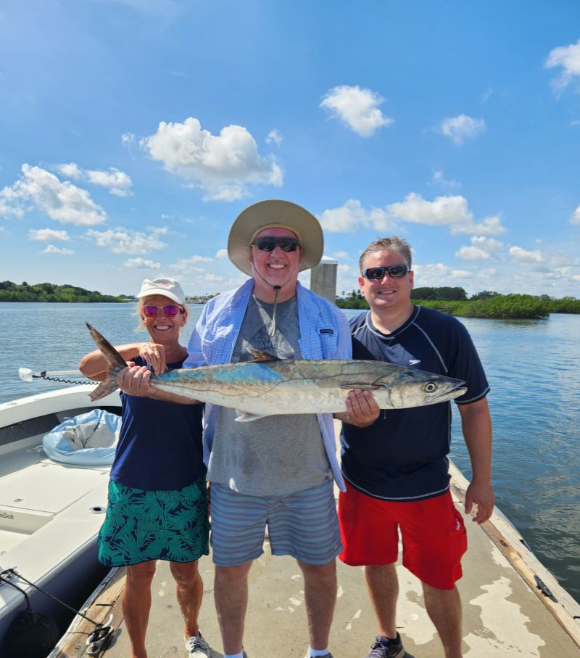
361 409
154 355
481 495
134 380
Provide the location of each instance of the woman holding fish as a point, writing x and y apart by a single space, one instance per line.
157 508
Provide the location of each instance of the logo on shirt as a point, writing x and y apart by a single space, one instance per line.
414 362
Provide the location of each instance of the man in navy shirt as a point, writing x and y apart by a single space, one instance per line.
396 470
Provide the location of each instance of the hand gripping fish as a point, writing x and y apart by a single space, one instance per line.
268 386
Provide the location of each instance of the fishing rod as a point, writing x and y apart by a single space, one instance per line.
27 375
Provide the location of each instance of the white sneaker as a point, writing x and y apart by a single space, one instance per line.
197 647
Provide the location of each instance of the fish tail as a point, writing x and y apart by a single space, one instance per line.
113 359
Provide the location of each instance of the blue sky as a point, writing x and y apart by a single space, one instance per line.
132 133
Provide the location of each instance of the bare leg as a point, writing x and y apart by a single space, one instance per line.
189 593
320 592
231 602
444 609
383 588
136 604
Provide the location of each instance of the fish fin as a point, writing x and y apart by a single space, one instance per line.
113 359
110 385
360 386
260 355
244 417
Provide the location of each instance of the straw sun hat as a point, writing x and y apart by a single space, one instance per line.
280 214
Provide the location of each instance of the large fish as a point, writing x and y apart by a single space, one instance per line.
268 386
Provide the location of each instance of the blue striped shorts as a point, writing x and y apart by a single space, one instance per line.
303 525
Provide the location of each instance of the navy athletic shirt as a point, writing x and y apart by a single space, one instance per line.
160 445
402 456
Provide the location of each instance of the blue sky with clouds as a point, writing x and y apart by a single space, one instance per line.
132 132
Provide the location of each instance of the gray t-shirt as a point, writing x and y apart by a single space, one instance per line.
276 455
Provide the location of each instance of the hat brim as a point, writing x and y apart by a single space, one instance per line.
270 213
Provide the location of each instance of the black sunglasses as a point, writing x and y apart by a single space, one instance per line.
269 243
394 271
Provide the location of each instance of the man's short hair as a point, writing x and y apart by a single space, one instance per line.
394 243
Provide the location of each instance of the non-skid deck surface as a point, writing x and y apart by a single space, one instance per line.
31 481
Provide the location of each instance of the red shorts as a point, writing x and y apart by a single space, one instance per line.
433 534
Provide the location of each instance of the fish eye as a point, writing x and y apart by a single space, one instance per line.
430 387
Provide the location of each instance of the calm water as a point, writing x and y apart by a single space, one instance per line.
534 372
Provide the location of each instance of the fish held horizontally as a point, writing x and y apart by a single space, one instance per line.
267 386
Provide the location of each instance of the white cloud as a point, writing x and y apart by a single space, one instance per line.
117 182
568 57
7 209
213 277
127 241
357 108
472 253
128 139
482 248
439 179
352 216
63 202
432 274
451 211
46 234
274 136
186 265
51 249
222 165
141 264
70 170
523 256
489 226
461 128
222 253
575 219
341 255
487 95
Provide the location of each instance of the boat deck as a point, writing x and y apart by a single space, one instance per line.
28 497
503 614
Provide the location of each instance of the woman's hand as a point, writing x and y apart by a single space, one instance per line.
134 380
154 355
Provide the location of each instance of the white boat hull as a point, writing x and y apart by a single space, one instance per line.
50 513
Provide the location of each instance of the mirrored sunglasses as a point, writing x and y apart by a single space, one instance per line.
170 311
394 271
269 243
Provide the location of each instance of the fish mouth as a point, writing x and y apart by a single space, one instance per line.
450 394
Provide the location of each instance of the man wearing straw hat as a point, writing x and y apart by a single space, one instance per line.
278 471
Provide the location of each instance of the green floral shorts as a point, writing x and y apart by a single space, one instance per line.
154 525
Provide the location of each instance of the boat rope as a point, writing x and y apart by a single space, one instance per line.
96 641
7 581
43 375
12 573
